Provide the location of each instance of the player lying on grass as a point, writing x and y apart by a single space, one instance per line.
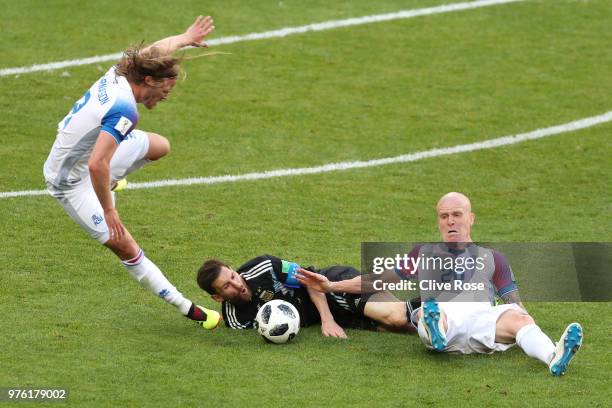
473 327
98 145
243 291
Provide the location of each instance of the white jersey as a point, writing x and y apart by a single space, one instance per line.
108 105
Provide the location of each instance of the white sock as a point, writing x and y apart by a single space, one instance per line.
151 278
535 343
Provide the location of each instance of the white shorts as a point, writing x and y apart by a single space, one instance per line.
81 202
471 327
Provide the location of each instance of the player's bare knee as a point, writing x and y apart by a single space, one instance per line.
523 320
159 146
385 318
519 320
512 321
397 319
379 313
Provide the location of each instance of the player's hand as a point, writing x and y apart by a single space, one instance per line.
331 329
200 28
115 226
313 280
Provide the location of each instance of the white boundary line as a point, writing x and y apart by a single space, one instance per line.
283 32
405 158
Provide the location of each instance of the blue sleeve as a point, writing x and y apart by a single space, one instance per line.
120 119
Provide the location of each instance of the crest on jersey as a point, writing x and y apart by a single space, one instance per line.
266 295
123 125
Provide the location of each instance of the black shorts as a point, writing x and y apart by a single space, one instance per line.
347 308
357 302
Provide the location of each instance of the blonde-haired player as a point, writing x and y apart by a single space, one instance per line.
97 145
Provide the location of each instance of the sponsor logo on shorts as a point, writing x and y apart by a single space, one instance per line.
97 219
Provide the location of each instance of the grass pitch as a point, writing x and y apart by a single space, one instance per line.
71 316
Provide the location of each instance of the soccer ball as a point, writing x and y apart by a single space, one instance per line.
278 321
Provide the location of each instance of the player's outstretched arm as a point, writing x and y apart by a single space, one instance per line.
313 280
320 283
329 327
194 36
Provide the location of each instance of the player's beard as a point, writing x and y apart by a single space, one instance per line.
150 102
238 301
242 299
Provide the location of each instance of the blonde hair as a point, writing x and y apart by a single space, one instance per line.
137 63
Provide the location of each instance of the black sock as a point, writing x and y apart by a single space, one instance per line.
197 314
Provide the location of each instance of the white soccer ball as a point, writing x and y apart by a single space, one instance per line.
278 321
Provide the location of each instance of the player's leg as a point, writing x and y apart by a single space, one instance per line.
433 325
388 311
82 204
567 347
510 323
517 326
137 150
145 272
150 277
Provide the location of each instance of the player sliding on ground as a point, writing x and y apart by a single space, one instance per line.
468 326
98 145
244 291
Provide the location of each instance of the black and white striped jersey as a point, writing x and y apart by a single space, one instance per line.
264 276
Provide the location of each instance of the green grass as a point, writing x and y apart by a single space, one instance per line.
71 316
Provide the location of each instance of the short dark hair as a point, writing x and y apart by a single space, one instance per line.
208 273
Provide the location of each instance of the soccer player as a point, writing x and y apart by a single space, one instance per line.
98 145
474 327
244 291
